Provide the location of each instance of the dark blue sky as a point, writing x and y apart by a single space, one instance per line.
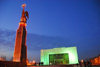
53 23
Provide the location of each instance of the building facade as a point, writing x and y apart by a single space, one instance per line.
62 56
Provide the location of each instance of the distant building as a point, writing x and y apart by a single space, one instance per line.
59 56
95 60
3 58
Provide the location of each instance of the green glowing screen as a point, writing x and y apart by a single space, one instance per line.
58 59
65 55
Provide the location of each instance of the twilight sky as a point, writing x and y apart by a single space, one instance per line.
52 24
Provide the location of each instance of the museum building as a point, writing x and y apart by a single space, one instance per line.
59 56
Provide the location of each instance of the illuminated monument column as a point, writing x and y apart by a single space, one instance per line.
20 51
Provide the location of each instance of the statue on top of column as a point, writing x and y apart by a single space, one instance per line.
25 14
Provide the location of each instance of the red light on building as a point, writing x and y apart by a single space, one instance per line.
23 24
95 61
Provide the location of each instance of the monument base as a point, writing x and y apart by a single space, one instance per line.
11 64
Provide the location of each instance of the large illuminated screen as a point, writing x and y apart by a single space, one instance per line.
56 56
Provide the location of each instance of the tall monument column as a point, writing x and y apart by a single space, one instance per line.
20 51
